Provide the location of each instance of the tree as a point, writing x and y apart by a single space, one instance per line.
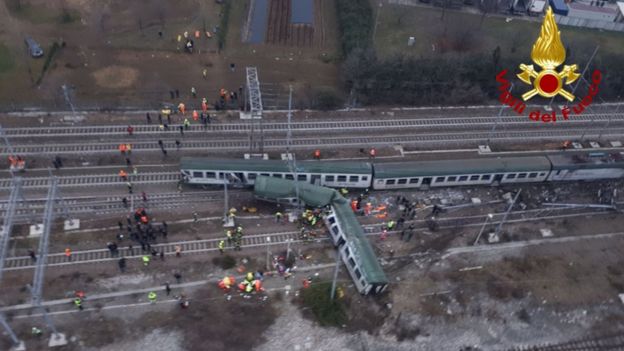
487 6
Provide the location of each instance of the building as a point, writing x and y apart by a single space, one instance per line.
537 7
559 7
620 14
593 11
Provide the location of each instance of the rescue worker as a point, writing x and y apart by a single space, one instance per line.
187 123
205 73
182 108
221 246
317 154
204 105
195 218
391 225
68 253
146 260
36 331
278 217
195 115
130 130
152 297
178 250
373 152
193 92
123 175
122 148
249 277
129 148
344 191
78 303
228 235
129 185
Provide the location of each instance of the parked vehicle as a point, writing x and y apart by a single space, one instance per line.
34 48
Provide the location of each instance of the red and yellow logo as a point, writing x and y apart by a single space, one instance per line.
548 53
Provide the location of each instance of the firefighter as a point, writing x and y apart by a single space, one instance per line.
228 235
122 148
278 217
146 260
391 225
195 115
68 253
78 303
193 92
373 152
187 123
130 130
204 105
182 108
221 246
123 175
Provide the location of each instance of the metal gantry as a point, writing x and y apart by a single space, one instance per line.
37 286
4 244
256 135
292 162
500 225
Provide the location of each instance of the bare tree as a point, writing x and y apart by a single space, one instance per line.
487 6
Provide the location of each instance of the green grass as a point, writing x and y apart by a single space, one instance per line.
397 23
6 59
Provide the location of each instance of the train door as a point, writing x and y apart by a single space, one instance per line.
316 179
498 178
426 182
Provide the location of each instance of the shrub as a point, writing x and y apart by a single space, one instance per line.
327 312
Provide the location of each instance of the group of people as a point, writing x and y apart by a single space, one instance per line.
234 237
251 283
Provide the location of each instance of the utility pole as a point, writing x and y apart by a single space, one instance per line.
256 134
18 345
487 218
336 269
268 263
292 162
500 225
68 98
227 221
500 114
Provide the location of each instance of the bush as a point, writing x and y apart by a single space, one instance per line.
327 312
326 99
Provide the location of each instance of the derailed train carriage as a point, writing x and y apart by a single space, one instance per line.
346 232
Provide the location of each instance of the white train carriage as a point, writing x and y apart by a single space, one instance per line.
591 166
481 171
239 172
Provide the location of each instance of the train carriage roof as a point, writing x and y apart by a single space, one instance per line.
358 243
275 188
587 161
339 167
465 166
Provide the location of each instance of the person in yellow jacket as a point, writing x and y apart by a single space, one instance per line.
152 297
221 246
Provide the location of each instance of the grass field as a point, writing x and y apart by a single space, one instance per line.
6 59
463 32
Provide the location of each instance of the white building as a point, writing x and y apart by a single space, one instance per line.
593 11
620 15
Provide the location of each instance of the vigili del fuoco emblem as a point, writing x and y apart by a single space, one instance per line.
548 53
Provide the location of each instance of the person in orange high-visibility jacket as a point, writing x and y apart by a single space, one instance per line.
373 152
123 175
144 219
68 253
122 148
204 105
317 154
182 108
195 115
354 205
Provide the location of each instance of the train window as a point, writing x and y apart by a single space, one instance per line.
533 175
211 174
358 274
364 178
439 179
277 175
289 177
558 172
198 174
329 178
251 176
402 181
351 262
463 178
511 176
451 179
265 174
414 181
486 177
302 177
353 179
542 174
336 230
342 178
390 182
474 177
522 175
220 175
346 250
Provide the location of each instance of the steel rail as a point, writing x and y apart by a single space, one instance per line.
319 142
248 241
312 126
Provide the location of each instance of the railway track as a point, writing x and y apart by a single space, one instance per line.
257 240
315 126
322 142
91 180
603 343
113 204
